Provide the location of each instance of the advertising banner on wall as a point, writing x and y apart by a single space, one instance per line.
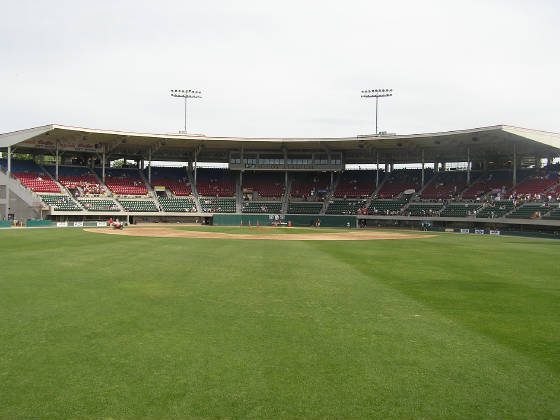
61 224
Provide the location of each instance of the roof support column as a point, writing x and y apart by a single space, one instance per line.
9 161
468 165
514 181
150 165
56 162
423 167
103 163
195 164
332 176
377 171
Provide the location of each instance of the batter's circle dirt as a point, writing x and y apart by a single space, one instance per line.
162 232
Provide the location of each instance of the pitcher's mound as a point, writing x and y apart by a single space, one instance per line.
162 232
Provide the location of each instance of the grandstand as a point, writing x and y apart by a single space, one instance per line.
215 183
78 180
172 181
124 181
356 184
406 180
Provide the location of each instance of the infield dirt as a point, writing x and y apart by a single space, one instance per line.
163 232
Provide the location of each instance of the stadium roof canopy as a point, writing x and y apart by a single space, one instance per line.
492 143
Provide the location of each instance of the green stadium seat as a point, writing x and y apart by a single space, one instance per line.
139 205
385 207
496 209
346 206
60 202
274 207
460 210
424 209
178 205
217 205
554 214
99 205
528 211
304 208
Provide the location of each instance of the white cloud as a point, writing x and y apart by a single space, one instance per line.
290 68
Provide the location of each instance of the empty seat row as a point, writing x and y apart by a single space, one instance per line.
178 205
304 208
274 207
346 207
138 205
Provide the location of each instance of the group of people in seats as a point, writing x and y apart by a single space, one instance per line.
347 207
217 205
310 186
356 184
447 185
175 179
267 185
125 181
80 181
401 180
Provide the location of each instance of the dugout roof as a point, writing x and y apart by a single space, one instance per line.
494 142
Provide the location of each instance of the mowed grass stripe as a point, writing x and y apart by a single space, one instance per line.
175 328
504 288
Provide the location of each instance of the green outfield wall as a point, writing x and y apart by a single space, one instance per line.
38 223
296 220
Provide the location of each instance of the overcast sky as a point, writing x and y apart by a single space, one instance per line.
282 68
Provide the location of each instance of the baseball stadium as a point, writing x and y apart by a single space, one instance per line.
189 276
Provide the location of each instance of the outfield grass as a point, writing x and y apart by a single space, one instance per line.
105 326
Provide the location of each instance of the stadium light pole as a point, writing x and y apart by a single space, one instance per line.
376 93
187 94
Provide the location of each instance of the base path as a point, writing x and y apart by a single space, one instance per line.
176 233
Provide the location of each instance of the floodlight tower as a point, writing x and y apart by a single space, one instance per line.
187 94
376 93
